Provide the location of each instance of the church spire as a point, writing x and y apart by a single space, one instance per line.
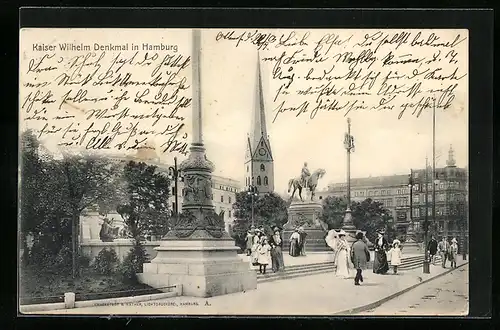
259 128
451 159
259 164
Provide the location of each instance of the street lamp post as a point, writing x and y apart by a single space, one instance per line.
349 146
426 264
253 192
409 231
174 174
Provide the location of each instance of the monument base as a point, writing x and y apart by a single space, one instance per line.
306 214
204 266
410 247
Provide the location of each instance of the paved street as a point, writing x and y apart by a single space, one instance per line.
447 295
322 294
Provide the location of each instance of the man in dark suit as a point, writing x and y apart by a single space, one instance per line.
432 249
360 256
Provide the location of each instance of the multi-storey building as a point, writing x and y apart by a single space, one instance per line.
394 193
451 200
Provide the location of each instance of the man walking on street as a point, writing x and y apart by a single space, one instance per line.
432 249
444 249
360 256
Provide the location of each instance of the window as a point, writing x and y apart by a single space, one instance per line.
429 211
222 198
405 201
399 191
415 175
416 226
229 214
262 167
266 181
429 198
173 191
416 213
416 187
441 197
259 181
248 168
416 199
229 199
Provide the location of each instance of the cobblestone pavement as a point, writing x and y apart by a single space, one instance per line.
322 294
447 295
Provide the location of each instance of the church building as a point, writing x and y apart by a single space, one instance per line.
259 164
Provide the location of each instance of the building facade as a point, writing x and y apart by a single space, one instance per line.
392 191
259 163
409 207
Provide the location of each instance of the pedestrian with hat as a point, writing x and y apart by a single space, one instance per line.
360 255
302 244
294 243
256 242
380 264
249 241
444 249
264 258
342 256
395 255
276 242
453 253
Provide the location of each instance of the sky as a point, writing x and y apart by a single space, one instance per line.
384 144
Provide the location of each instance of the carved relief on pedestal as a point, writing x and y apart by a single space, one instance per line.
207 220
197 189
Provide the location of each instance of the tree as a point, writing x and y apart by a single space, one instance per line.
86 181
333 211
146 211
269 210
369 216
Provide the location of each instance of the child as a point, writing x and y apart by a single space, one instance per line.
395 255
264 255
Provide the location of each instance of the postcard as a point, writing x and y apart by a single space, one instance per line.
243 171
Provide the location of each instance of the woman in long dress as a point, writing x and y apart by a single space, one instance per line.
342 255
256 242
380 264
276 253
294 244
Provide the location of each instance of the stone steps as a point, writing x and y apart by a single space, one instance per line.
295 271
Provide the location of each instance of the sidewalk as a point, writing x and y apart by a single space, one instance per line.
322 294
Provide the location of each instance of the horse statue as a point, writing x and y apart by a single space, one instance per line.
312 183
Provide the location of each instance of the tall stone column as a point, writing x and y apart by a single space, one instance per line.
198 253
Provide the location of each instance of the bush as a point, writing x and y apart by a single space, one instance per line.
84 261
106 261
132 263
40 255
63 259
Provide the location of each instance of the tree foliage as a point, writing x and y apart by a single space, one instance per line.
269 210
54 192
368 215
146 210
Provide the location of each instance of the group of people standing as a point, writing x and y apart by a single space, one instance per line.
447 251
357 256
298 242
264 250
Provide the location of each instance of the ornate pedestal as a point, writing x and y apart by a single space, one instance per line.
306 214
410 247
198 253
204 266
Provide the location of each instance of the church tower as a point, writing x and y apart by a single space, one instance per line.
259 164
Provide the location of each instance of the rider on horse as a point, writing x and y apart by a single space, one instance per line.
305 175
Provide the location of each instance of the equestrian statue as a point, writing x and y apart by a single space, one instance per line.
306 180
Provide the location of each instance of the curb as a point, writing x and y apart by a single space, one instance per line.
34 308
377 303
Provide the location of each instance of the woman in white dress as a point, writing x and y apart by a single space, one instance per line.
342 255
